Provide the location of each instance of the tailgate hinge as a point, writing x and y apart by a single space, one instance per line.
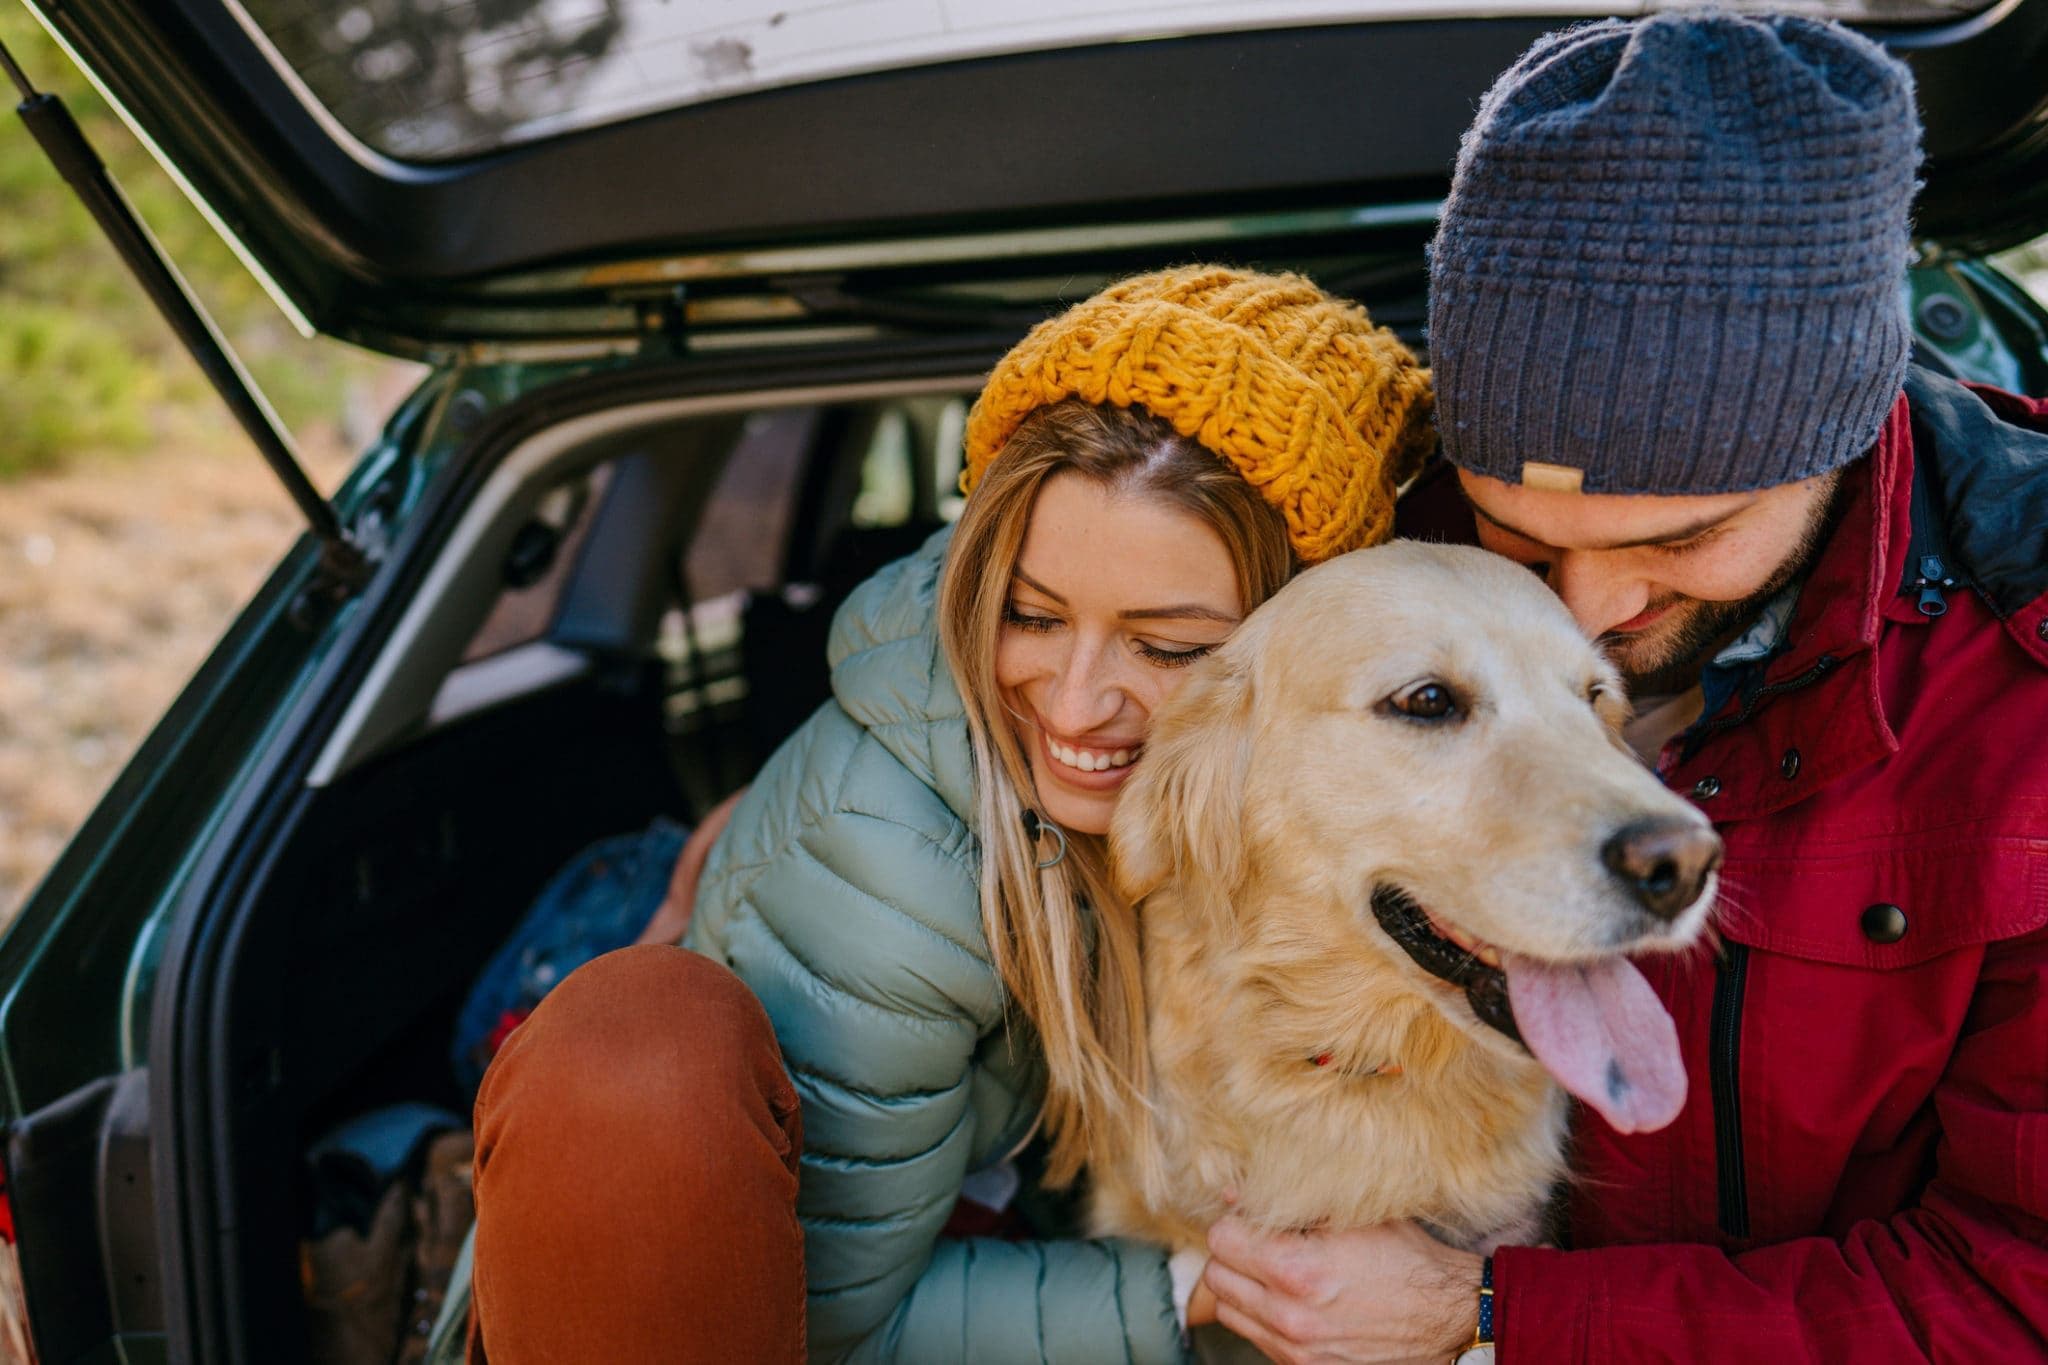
664 324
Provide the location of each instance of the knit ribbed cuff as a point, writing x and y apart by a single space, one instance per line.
1662 391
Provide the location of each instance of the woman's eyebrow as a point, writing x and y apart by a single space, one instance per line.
1028 581
1186 611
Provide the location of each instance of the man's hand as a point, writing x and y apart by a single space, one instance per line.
1386 1293
673 918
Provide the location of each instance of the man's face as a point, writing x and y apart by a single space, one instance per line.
1661 582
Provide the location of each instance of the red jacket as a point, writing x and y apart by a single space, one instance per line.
1861 1169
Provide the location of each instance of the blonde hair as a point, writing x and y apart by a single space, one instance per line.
1063 940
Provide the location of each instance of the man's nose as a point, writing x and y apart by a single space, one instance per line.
1598 598
1083 696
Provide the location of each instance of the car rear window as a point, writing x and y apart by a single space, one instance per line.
441 79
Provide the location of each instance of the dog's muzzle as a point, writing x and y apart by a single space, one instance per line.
1486 988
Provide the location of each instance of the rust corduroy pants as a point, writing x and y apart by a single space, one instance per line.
636 1173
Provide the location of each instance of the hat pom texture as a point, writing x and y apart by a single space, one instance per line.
1672 255
1321 411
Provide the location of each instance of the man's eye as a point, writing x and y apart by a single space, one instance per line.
1427 701
1024 620
1687 546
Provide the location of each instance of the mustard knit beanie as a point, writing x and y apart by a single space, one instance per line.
1321 411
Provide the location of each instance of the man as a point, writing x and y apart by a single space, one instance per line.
1673 376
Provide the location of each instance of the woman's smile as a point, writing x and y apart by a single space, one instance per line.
1097 764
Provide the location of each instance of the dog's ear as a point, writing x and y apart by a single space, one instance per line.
1182 815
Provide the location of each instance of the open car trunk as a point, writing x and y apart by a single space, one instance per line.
625 597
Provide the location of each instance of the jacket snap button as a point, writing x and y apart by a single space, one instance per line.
1706 788
1788 766
1884 923
2041 628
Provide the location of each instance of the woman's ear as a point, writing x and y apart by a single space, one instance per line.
1182 815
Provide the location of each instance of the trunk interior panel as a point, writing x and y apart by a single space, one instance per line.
383 904
386 891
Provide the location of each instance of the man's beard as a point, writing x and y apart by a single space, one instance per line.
1696 630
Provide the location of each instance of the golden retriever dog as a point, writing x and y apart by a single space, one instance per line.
1389 852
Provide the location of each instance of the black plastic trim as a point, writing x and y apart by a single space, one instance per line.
85 1222
51 1156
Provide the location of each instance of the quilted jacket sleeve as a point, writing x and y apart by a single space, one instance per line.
1962 1276
844 895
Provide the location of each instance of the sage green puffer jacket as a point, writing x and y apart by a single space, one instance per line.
844 894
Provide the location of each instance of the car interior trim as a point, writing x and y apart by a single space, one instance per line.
415 660
519 671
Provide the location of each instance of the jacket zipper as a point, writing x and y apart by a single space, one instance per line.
1724 1024
1930 570
1724 1056
1820 667
1934 577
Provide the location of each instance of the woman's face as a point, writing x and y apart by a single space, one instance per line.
1112 598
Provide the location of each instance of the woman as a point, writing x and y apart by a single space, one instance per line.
912 899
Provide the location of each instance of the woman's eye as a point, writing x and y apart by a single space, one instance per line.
1426 701
1024 620
1172 658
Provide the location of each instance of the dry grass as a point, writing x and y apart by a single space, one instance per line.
117 575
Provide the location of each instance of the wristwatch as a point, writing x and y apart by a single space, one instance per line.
1482 1335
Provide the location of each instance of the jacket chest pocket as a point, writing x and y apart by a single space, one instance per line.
1845 980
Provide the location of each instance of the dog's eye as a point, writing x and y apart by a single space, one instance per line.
1595 691
1426 701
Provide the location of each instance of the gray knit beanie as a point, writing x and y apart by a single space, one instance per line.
1672 258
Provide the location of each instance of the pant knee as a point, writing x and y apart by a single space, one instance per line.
635 1134
649 1048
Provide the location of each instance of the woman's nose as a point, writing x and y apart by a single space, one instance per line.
1083 695
1599 593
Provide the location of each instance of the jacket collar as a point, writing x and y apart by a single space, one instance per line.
890 674
1819 697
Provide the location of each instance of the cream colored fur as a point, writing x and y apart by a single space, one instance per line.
1276 791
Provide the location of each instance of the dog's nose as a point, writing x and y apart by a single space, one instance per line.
1663 863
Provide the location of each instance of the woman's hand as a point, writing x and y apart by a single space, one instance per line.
1386 1293
672 920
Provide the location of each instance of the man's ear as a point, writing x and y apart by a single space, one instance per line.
1182 815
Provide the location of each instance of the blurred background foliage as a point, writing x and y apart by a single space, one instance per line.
86 365
2029 264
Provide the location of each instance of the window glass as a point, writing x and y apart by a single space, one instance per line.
435 79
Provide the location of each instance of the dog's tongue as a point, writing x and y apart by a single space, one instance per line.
1602 1032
